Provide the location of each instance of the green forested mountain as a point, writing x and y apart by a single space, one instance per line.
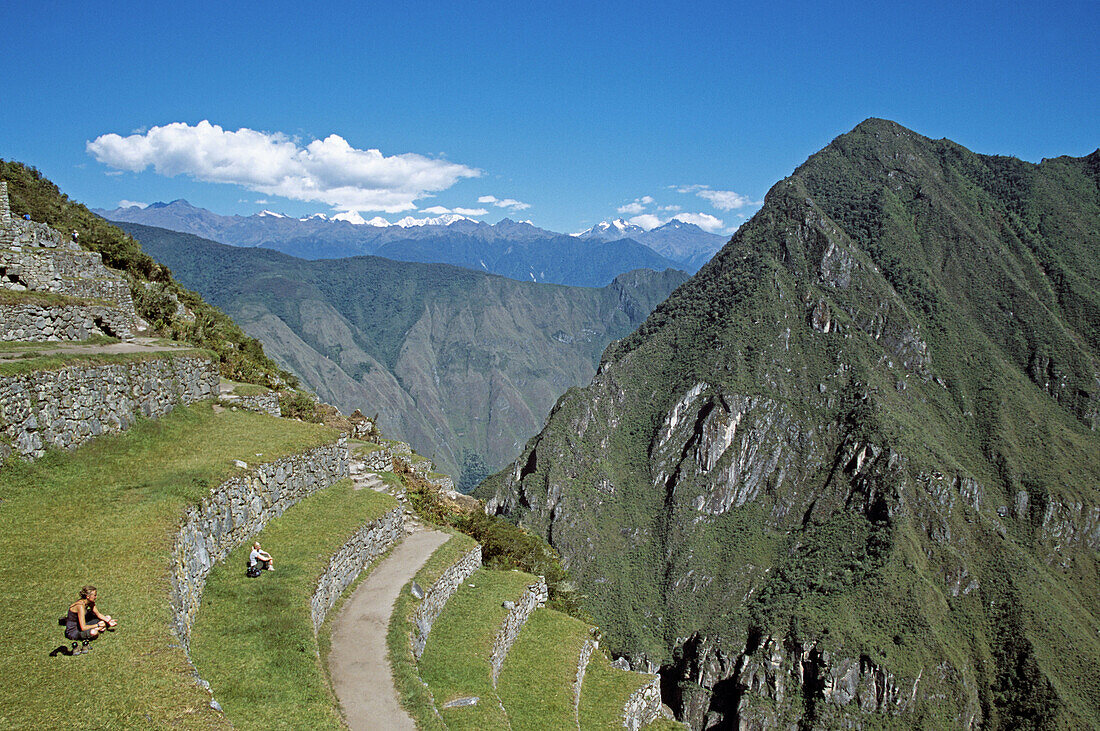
849 473
463 365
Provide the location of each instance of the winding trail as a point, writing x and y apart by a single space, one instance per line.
358 662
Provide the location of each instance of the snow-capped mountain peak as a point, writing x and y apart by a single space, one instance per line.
445 220
611 230
271 214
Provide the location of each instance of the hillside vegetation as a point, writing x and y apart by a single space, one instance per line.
156 294
461 364
850 472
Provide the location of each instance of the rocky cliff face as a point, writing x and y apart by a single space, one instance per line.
834 480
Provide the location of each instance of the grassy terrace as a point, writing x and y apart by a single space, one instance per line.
546 651
245 389
406 679
57 361
605 691
22 347
46 299
455 663
106 514
253 638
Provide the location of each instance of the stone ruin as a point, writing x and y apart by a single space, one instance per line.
36 258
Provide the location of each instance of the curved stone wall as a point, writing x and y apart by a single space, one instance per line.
370 541
435 598
534 596
237 510
68 406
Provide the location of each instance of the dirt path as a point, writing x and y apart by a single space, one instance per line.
55 347
358 661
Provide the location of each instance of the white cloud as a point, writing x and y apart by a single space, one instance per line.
646 221
132 204
726 200
704 221
328 170
668 208
440 210
637 206
504 202
262 201
723 200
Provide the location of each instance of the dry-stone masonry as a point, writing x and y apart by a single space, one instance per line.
369 542
237 510
582 667
265 403
68 406
35 257
42 323
534 596
643 706
437 595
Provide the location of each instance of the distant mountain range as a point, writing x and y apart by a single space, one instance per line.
515 249
462 364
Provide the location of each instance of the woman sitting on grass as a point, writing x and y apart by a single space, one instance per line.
261 556
85 622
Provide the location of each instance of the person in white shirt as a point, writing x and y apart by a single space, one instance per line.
261 556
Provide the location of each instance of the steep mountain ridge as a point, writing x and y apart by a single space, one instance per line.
850 471
464 365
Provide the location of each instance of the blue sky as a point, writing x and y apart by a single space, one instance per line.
574 109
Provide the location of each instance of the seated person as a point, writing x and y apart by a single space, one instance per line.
261 556
85 621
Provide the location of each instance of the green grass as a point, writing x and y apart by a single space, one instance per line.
46 299
246 389
605 691
253 638
545 652
57 361
107 514
455 663
412 693
366 448
22 345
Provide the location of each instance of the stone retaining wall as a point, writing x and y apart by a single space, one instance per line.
582 666
369 542
68 406
32 234
437 595
236 511
534 596
265 403
43 323
643 706
75 273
